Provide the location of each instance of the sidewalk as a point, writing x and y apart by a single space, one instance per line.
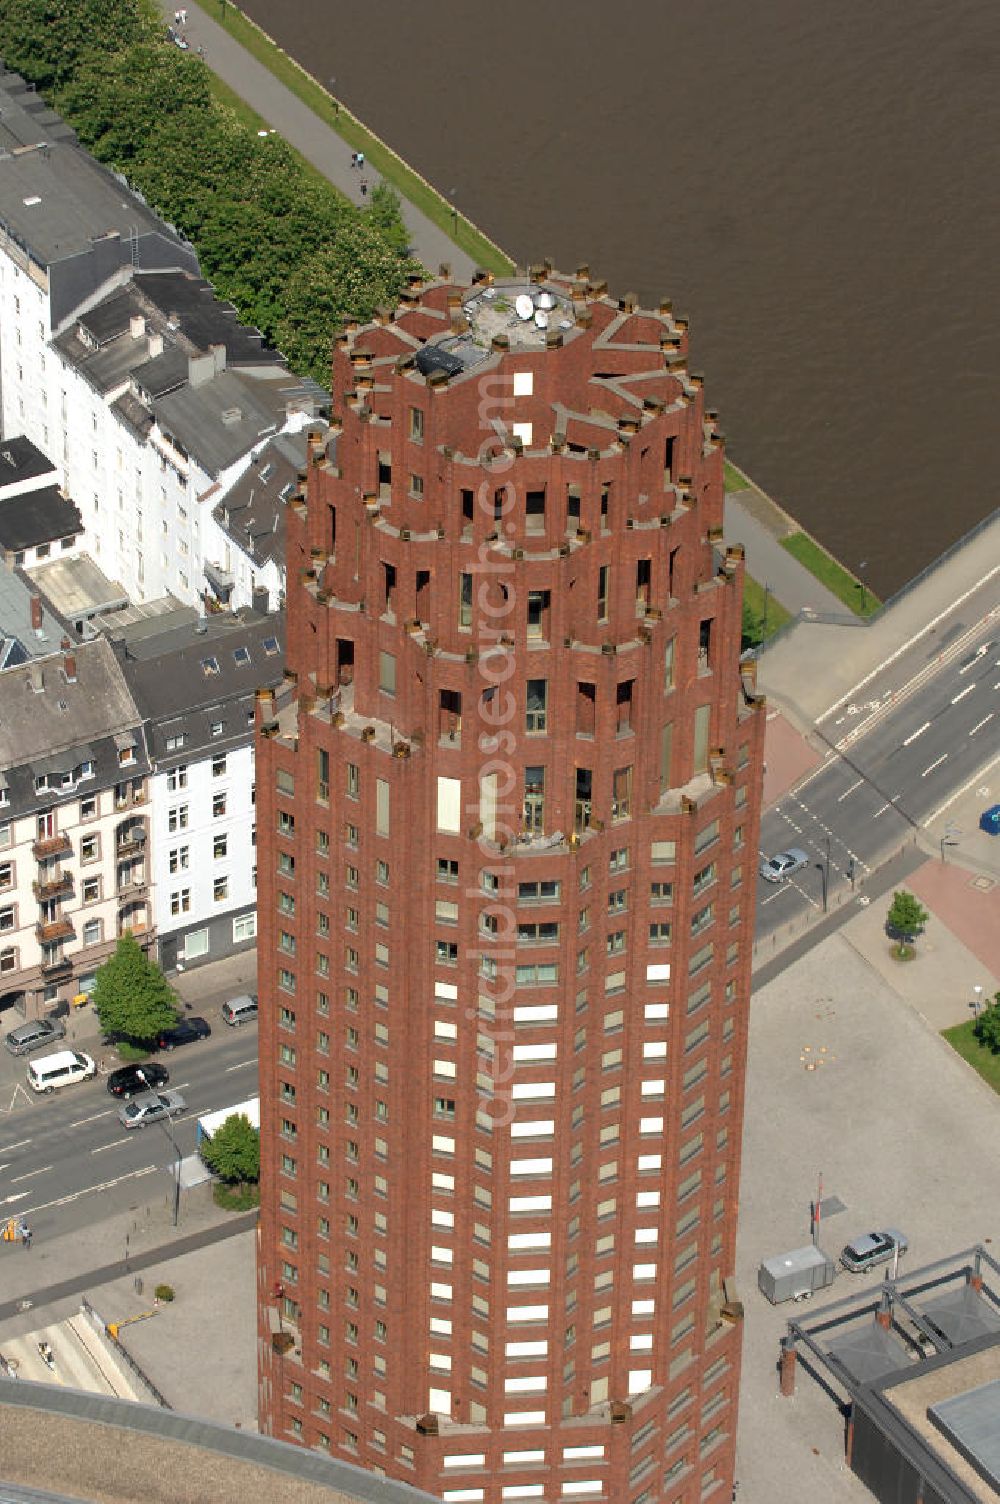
314 140
811 665
770 564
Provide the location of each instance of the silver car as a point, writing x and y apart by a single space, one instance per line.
872 1248
32 1035
150 1107
774 869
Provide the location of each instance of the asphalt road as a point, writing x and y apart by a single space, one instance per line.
914 736
65 1159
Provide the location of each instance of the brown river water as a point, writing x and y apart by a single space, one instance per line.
813 182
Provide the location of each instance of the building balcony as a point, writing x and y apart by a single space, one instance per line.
53 887
131 884
130 842
55 966
55 929
47 847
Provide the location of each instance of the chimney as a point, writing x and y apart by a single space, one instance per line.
201 369
218 354
155 343
69 662
137 326
36 613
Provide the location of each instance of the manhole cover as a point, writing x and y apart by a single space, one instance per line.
984 884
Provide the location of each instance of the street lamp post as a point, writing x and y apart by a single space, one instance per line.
178 1156
977 995
823 868
861 583
763 625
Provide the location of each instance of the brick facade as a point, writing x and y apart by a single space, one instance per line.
508 804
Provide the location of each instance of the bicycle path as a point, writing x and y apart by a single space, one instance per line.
310 136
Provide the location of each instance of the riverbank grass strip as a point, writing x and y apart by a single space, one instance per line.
382 158
844 585
753 599
963 1041
734 479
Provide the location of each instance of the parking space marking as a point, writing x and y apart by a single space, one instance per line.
87 1190
962 693
980 724
93 1118
116 1143
242 1064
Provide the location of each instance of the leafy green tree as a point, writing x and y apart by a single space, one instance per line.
987 1026
352 275
233 1151
753 626
906 919
132 997
386 215
46 40
125 105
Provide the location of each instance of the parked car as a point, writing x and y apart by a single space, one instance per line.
184 1031
150 1107
32 1035
872 1248
240 1010
774 869
130 1080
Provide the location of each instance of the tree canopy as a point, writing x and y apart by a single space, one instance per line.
233 1151
906 919
987 1026
282 244
132 997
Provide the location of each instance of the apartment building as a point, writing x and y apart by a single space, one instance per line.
194 681
74 821
119 362
508 801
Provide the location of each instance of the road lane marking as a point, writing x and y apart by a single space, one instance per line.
9 1200
941 759
93 1118
914 734
88 1190
21 1144
962 694
115 1143
244 1063
976 778
980 724
844 795
911 641
16 1179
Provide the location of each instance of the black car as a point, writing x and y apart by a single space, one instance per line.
132 1079
184 1031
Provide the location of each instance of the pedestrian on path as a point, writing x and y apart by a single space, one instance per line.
361 159
354 159
364 188
25 1232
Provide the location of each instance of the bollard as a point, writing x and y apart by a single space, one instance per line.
787 1368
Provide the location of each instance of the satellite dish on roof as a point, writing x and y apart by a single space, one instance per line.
542 319
524 307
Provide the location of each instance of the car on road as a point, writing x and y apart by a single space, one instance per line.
240 1010
184 1031
35 1033
774 869
872 1248
131 1080
151 1107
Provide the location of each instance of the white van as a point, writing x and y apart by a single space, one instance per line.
240 1010
60 1069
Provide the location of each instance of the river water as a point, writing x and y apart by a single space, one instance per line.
814 184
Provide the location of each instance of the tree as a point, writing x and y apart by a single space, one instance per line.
386 215
132 997
987 1026
46 40
233 1151
753 626
906 919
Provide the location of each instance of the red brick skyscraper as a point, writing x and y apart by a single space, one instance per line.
508 807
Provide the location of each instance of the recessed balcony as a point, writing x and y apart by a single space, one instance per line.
47 847
55 929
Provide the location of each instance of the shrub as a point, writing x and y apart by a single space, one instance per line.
164 1292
